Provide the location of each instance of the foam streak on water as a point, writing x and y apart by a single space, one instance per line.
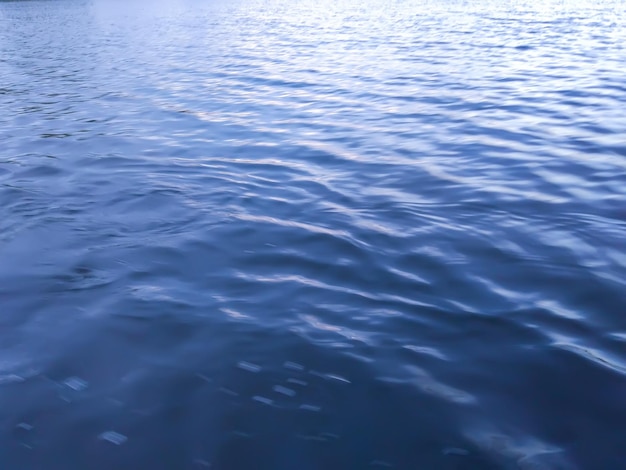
317 235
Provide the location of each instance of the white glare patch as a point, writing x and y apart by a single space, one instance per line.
11 378
307 407
205 378
297 382
113 437
228 391
248 366
293 366
338 378
75 383
284 390
265 401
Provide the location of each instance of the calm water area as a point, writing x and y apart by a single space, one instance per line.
312 234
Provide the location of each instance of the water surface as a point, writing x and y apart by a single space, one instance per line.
265 234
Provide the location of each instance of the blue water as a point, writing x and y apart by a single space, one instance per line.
301 235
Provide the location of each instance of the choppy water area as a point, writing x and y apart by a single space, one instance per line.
312 235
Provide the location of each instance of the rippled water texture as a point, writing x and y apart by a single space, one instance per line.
302 235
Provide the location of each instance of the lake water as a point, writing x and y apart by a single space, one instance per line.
301 235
